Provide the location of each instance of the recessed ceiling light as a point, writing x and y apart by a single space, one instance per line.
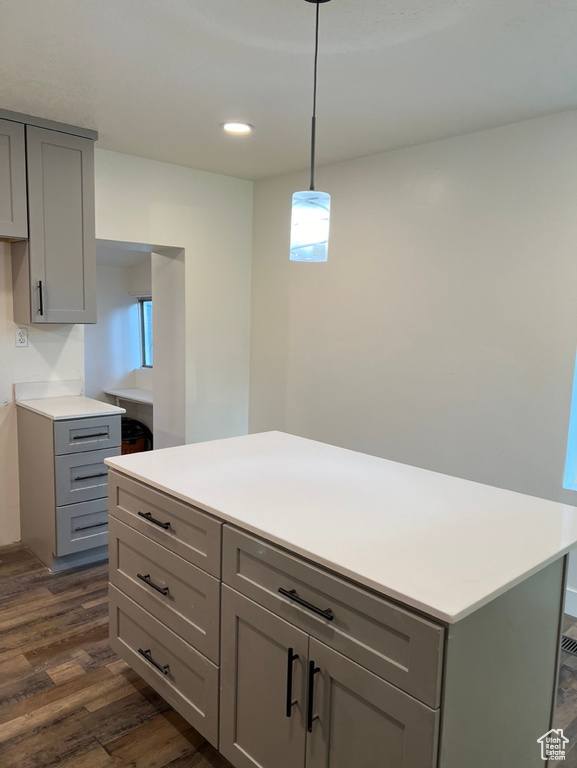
239 129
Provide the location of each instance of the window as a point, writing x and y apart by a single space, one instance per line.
145 311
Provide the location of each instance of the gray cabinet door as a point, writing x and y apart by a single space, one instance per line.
13 212
62 271
361 720
255 731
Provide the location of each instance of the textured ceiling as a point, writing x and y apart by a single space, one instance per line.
157 77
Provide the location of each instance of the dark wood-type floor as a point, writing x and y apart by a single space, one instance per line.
67 701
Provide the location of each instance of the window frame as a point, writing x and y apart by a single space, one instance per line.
141 302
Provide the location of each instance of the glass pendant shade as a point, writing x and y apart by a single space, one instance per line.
310 223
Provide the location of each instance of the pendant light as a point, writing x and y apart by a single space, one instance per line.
311 209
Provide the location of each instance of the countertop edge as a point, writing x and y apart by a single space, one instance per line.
109 410
407 600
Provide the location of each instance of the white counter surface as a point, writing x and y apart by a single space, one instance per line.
440 544
133 395
69 407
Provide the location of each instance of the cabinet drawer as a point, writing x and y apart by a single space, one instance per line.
92 434
81 526
189 599
185 678
397 645
82 476
179 527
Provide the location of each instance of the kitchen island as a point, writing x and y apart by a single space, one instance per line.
302 604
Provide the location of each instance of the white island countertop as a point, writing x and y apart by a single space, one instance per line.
69 407
440 544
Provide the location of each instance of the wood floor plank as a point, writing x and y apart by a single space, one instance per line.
54 651
141 745
95 758
49 744
132 683
69 670
58 707
121 716
51 697
15 669
44 607
24 689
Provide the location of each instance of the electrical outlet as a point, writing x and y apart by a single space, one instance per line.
21 337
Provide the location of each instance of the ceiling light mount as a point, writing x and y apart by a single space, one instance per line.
310 218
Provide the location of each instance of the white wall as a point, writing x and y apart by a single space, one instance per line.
210 216
442 331
54 352
112 345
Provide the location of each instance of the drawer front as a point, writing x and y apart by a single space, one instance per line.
81 526
181 675
173 590
395 644
179 527
82 476
91 434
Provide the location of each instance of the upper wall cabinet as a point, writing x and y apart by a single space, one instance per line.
53 272
13 215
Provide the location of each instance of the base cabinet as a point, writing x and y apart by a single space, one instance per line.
321 709
63 486
312 670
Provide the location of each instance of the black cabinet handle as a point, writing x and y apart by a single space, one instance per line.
148 516
292 595
40 298
292 657
165 669
89 527
85 437
90 477
147 580
311 695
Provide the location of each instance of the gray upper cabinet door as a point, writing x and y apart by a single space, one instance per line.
358 719
13 212
258 672
54 274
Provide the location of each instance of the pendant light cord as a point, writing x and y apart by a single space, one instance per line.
314 120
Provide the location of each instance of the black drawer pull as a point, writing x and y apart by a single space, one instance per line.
292 595
165 669
148 516
310 703
147 580
40 298
90 477
85 437
89 527
292 657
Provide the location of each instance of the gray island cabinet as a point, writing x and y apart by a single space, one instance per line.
303 605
